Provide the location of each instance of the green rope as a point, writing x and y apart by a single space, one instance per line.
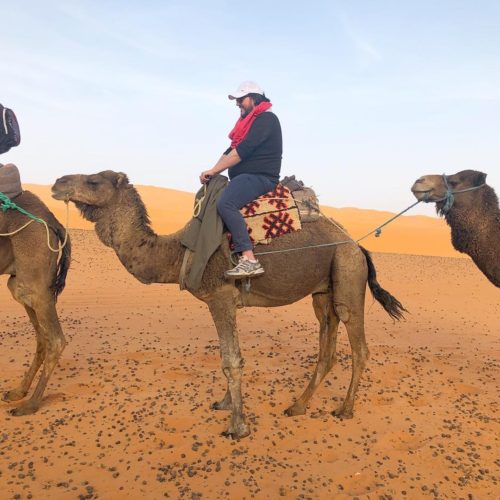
7 204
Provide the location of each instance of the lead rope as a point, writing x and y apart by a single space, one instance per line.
377 231
7 204
449 197
199 202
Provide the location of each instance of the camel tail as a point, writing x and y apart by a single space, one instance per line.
64 261
392 305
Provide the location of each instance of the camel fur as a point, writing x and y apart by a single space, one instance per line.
474 217
37 278
335 277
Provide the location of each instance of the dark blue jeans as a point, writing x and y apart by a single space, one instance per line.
243 189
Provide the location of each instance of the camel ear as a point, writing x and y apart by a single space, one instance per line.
121 179
480 178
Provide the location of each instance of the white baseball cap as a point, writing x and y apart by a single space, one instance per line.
245 88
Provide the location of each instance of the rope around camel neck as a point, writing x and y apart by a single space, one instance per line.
7 204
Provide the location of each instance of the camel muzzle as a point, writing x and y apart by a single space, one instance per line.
421 194
59 193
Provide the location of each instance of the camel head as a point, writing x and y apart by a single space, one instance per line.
95 189
90 192
436 188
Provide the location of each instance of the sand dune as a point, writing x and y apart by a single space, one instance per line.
127 412
170 210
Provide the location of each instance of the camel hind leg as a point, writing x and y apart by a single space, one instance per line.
349 279
23 388
50 344
328 321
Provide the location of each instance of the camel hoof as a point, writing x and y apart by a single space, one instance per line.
13 395
236 435
342 413
220 405
23 410
294 411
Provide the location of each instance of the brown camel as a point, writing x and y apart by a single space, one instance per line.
335 276
37 277
470 207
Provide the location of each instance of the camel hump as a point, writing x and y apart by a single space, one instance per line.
10 180
305 198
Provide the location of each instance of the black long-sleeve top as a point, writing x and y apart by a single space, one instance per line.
261 150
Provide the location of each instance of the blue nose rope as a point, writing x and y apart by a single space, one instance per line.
378 231
450 199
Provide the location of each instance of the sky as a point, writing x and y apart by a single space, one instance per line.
371 95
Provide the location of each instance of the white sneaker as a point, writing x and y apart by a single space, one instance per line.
245 269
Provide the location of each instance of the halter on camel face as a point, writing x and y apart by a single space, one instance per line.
449 195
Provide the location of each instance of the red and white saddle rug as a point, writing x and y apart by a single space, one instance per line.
271 215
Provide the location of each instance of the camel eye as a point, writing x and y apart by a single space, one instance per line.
92 183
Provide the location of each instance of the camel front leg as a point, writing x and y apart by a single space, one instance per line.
55 342
328 325
223 310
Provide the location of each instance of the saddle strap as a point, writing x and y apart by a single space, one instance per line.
182 273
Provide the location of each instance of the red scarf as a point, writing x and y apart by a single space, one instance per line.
243 125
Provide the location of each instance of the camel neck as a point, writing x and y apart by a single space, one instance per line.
149 257
471 227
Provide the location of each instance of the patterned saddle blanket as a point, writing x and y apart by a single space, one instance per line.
271 215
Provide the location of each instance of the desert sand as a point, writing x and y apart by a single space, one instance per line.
127 412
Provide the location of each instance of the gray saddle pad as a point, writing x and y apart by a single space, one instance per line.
10 181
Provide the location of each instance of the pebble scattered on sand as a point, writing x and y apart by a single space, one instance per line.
127 412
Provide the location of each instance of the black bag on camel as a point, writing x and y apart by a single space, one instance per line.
10 135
